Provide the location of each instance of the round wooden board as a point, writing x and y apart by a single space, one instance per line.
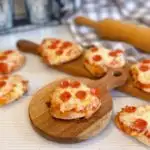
62 130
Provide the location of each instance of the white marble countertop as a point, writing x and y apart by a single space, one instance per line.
16 132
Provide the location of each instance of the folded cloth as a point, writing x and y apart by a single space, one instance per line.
136 11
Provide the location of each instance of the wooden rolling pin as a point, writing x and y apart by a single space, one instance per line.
110 29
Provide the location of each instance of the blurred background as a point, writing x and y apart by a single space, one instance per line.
21 15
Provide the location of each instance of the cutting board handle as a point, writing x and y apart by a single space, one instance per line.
27 46
114 78
85 22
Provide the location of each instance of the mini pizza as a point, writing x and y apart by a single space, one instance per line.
11 88
73 99
135 121
56 52
140 73
10 60
98 60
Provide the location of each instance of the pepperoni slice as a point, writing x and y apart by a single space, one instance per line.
139 125
97 57
95 91
144 68
67 44
64 84
146 61
129 109
75 84
56 42
8 52
115 53
3 68
81 94
2 83
3 57
52 46
65 96
59 52
94 49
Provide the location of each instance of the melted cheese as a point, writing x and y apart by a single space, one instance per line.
89 101
142 112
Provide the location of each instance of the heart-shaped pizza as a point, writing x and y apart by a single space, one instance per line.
72 99
97 60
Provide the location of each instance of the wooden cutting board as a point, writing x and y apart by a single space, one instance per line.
79 129
76 68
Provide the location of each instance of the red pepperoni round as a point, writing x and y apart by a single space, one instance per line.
52 46
8 52
2 83
139 125
3 57
129 109
97 57
56 42
95 91
115 52
3 68
144 68
67 44
94 49
146 61
59 52
64 84
81 94
3 77
75 84
65 96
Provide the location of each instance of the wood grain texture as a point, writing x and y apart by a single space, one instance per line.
62 130
76 68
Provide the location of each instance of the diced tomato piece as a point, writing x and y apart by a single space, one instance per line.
59 52
2 83
81 94
3 101
144 68
139 125
75 84
64 84
94 49
129 109
8 52
3 57
95 91
3 68
146 61
65 96
3 77
97 57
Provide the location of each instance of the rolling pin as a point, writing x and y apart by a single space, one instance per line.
115 30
